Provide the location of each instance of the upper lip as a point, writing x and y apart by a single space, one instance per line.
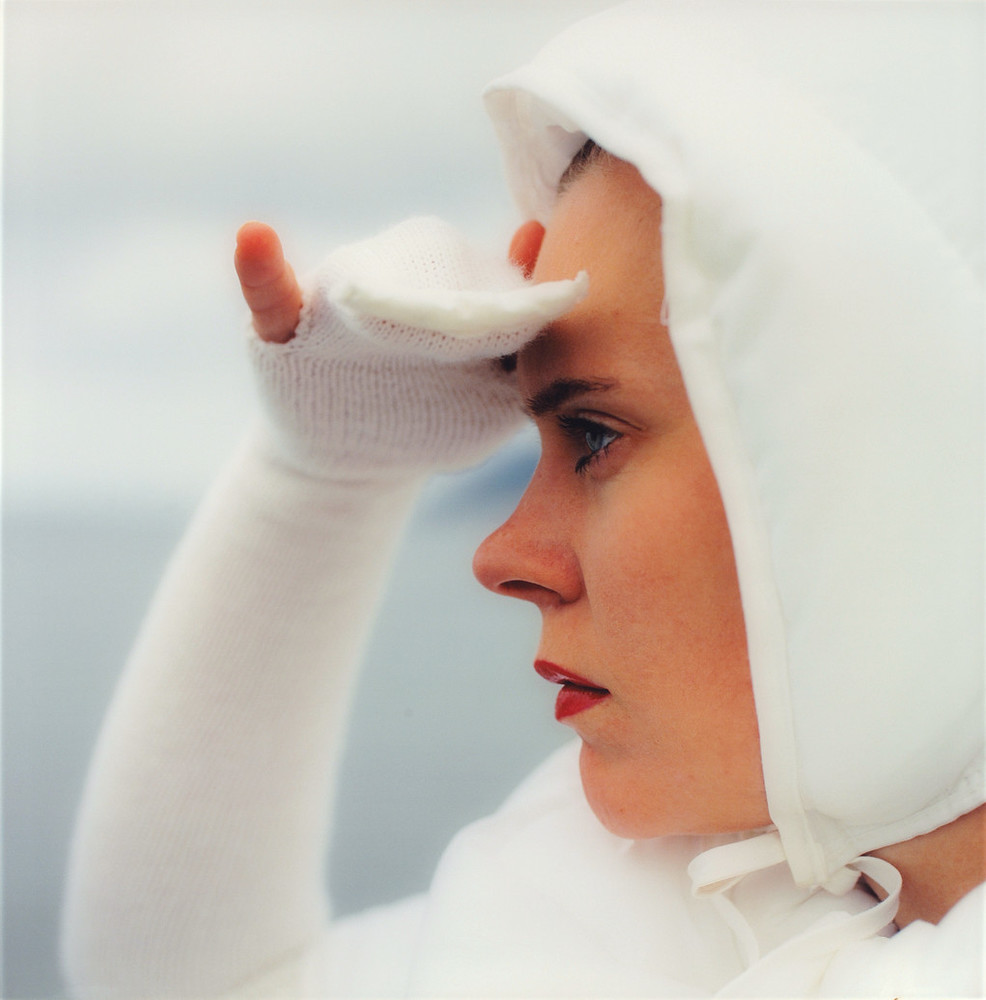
560 675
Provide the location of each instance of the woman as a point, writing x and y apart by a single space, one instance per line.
754 536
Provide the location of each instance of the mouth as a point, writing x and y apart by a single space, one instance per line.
576 695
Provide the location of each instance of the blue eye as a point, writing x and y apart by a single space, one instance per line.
589 434
599 439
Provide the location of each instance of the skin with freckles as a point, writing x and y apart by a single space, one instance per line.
622 543
621 540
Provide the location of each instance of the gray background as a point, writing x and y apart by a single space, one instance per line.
137 136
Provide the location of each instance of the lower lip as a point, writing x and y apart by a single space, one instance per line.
573 699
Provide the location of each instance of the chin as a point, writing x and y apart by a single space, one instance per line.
614 794
631 805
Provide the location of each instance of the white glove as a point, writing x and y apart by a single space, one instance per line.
394 368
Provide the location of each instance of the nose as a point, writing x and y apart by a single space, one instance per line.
531 556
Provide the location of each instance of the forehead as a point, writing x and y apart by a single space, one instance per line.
608 215
608 224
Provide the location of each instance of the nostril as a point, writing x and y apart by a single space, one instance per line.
521 589
521 560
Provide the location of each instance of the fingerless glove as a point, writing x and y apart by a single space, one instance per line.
395 365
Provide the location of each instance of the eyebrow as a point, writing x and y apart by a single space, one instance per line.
559 392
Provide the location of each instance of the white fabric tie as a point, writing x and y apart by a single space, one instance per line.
718 870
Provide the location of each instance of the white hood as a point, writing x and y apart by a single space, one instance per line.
820 168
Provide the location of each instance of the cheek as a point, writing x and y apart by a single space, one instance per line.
658 560
682 754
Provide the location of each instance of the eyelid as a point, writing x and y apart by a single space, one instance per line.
597 418
576 422
577 427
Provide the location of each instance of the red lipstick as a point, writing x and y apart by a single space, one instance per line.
576 695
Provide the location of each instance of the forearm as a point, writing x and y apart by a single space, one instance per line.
198 860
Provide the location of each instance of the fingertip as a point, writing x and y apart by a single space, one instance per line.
526 245
254 239
248 231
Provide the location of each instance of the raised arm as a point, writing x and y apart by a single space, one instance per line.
198 862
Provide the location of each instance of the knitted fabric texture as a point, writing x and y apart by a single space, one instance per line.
395 364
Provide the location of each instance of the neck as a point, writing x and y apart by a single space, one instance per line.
938 868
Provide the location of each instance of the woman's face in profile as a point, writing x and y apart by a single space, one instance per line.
621 539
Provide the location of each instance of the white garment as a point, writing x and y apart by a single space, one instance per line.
822 245
198 859
820 290
593 915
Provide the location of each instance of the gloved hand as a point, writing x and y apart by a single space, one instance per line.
394 366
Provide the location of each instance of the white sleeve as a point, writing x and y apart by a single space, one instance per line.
198 859
197 865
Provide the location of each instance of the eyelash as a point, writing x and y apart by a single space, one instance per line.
579 429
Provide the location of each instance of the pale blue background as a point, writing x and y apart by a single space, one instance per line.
137 136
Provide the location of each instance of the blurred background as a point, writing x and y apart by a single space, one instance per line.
137 137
